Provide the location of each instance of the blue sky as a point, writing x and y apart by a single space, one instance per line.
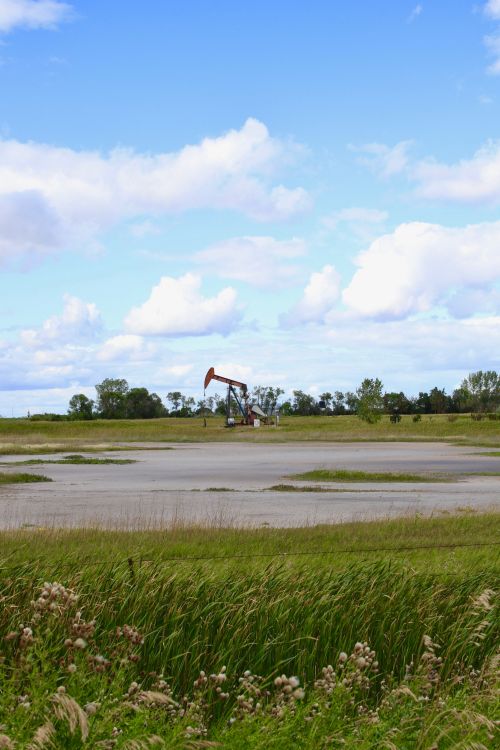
301 195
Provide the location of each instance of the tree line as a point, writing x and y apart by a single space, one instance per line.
116 400
478 393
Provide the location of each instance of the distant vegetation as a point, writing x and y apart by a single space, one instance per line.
25 436
479 394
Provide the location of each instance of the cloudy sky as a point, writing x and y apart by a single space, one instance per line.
299 194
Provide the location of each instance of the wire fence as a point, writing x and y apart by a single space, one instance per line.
139 560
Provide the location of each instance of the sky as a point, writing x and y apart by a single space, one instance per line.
300 194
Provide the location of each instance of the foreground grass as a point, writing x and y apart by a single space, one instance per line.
346 475
72 435
21 478
171 650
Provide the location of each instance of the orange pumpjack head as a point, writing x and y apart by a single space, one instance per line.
209 376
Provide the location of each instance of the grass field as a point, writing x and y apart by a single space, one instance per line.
363 635
69 435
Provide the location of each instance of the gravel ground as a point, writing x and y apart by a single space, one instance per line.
224 482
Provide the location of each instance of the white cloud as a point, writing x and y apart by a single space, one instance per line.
29 228
318 300
76 194
492 9
177 308
125 347
466 302
179 371
79 321
384 160
492 42
470 180
417 10
419 265
258 260
33 14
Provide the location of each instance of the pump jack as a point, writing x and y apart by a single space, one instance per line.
248 412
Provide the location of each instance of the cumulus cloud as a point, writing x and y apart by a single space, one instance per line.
469 180
258 260
176 307
419 265
318 300
492 9
33 14
128 347
385 161
76 194
29 228
78 321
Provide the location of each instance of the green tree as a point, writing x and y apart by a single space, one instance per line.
397 402
111 395
370 397
267 397
187 407
327 399
480 391
304 404
140 404
422 403
286 408
175 398
339 403
351 402
80 407
438 400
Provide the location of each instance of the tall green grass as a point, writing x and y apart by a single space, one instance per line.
155 613
272 620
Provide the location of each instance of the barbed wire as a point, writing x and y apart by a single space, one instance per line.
139 559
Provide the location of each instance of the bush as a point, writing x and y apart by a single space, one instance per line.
417 417
49 417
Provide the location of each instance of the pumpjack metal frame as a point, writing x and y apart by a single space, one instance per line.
241 400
